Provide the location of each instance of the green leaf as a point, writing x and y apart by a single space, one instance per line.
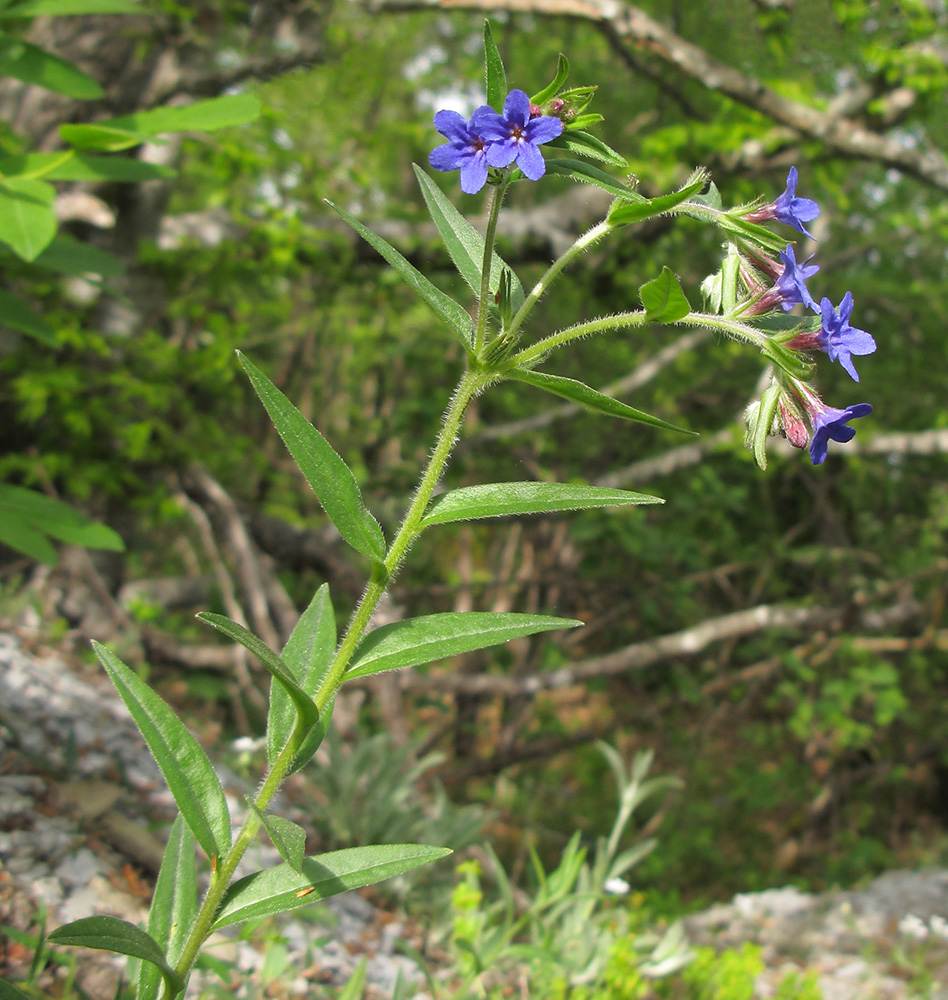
562 72
31 64
464 243
174 905
450 311
18 315
17 532
629 213
579 392
68 165
280 889
792 362
663 299
66 255
307 654
504 499
55 518
308 713
585 144
130 130
27 219
186 769
330 478
414 641
57 8
353 989
581 171
758 235
111 934
288 838
494 71
9 992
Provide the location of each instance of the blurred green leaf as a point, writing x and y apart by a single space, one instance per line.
18 315
27 219
57 8
31 64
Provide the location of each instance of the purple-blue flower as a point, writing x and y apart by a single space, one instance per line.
465 150
830 424
839 339
514 135
794 211
791 283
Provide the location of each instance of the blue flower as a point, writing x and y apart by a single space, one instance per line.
839 339
465 150
791 285
514 135
830 424
794 211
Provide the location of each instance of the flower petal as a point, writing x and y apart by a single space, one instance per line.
452 126
517 108
531 162
543 129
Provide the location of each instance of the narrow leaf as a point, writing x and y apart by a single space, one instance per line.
31 64
68 165
9 992
33 165
494 71
102 136
579 392
562 72
759 235
663 299
280 889
276 667
450 311
18 315
27 219
581 171
585 144
17 533
628 213
353 989
504 499
56 8
119 936
191 779
307 654
173 906
330 478
464 243
288 838
414 641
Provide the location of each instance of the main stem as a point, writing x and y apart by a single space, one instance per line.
473 381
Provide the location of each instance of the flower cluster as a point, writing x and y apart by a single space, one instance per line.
799 406
489 139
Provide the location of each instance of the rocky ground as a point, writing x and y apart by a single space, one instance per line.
82 808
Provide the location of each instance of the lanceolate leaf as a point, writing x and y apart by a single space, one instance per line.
9 992
279 889
494 65
581 171
27 219
193 783
26 62
18 315
504 499
330 478
623 214
585 144
414 641
464 243
450 311
562 72
579 392
663 299
307 655
68 165
276 667
173 906
66 255
111 934
17 532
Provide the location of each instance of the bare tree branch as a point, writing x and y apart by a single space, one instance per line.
627 25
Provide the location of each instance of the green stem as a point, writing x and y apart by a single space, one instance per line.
530 355
483 299
733 328
581 245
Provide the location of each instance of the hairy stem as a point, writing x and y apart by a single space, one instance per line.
483 299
